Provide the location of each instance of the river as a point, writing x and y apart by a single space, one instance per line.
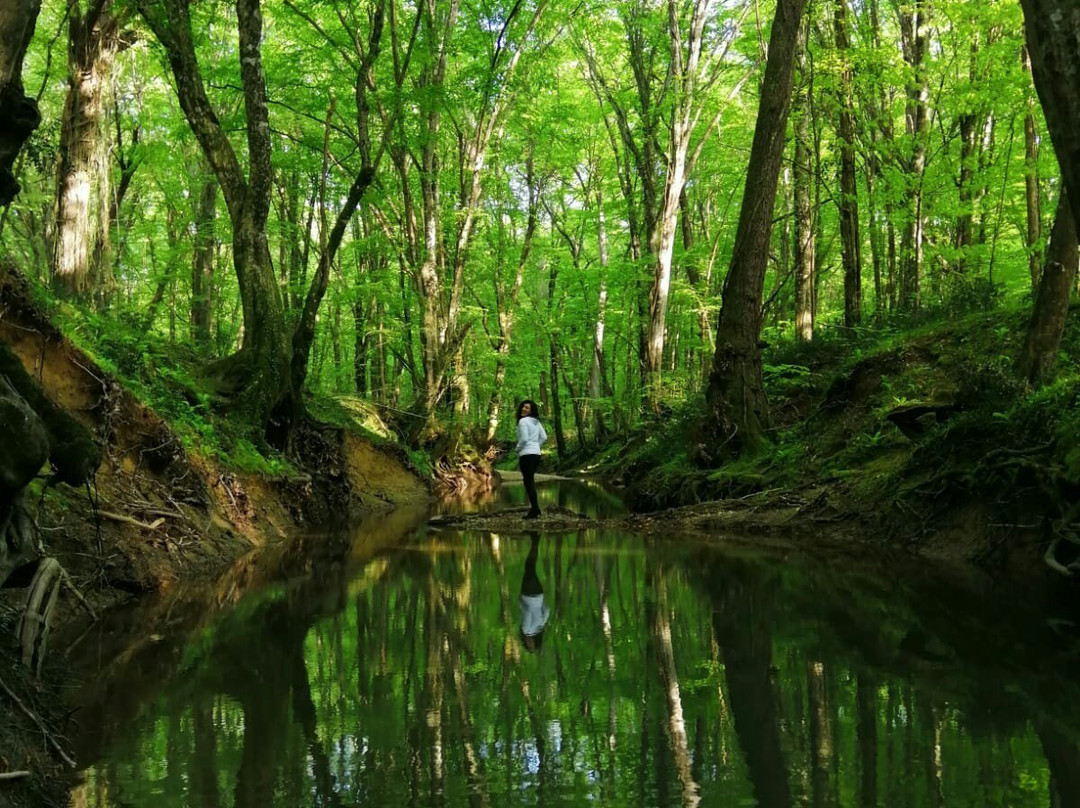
403 666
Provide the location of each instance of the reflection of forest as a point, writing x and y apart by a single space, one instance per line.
666 677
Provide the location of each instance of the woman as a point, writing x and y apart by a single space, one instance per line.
530 437
534 612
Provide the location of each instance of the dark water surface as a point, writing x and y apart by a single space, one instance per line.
391 669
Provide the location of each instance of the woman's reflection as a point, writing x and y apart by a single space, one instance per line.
534 612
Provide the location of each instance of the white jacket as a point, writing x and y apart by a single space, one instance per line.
530 436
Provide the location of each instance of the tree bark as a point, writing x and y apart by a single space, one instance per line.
851 252
684 68
19 112
82 186
1053 40
597 381
202 265
257 378
737 410
915 38
1031 189
1038 357
969 152
805 232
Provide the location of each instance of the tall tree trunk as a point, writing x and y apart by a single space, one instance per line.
597 382
20 113
805 248
1053 40
202 264
1031 189
969 150
915 37
1040 352
506 302
851 252
257 377
553 363
686 48
82 185
360 344
737 410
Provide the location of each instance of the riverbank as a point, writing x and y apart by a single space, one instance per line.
914 438
160 514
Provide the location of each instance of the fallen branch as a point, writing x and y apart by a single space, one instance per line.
41 724
78 595
13 775
119 517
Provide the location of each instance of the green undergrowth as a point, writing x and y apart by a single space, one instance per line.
835 404
166 377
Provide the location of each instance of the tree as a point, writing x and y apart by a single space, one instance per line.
915 38
849 189
83 196
736 409
257 377
805 227
1053 39
17 21
1039 355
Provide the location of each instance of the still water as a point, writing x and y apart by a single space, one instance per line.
406 667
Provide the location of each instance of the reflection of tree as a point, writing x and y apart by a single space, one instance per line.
866 732
742 629
821 736
1063 756
405 682
669 680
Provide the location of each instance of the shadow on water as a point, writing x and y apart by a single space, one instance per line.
478 669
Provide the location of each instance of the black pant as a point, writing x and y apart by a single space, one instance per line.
530 581
528 465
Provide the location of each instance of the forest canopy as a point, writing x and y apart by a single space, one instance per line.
445 205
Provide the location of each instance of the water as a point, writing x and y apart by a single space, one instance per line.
393 670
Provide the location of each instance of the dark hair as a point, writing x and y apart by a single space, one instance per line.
533 413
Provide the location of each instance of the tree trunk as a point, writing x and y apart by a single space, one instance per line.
1053 40
737 410
969 145
19 113
506 302
849 193
202 265
597 382
257 377
553 363
1040 352
1031 190
684 69
360 343
82 187
915 38
804 219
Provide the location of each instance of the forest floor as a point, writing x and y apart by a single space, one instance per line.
161 513
918 437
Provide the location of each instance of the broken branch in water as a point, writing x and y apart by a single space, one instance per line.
14 775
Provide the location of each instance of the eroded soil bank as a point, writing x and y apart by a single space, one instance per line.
158 516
